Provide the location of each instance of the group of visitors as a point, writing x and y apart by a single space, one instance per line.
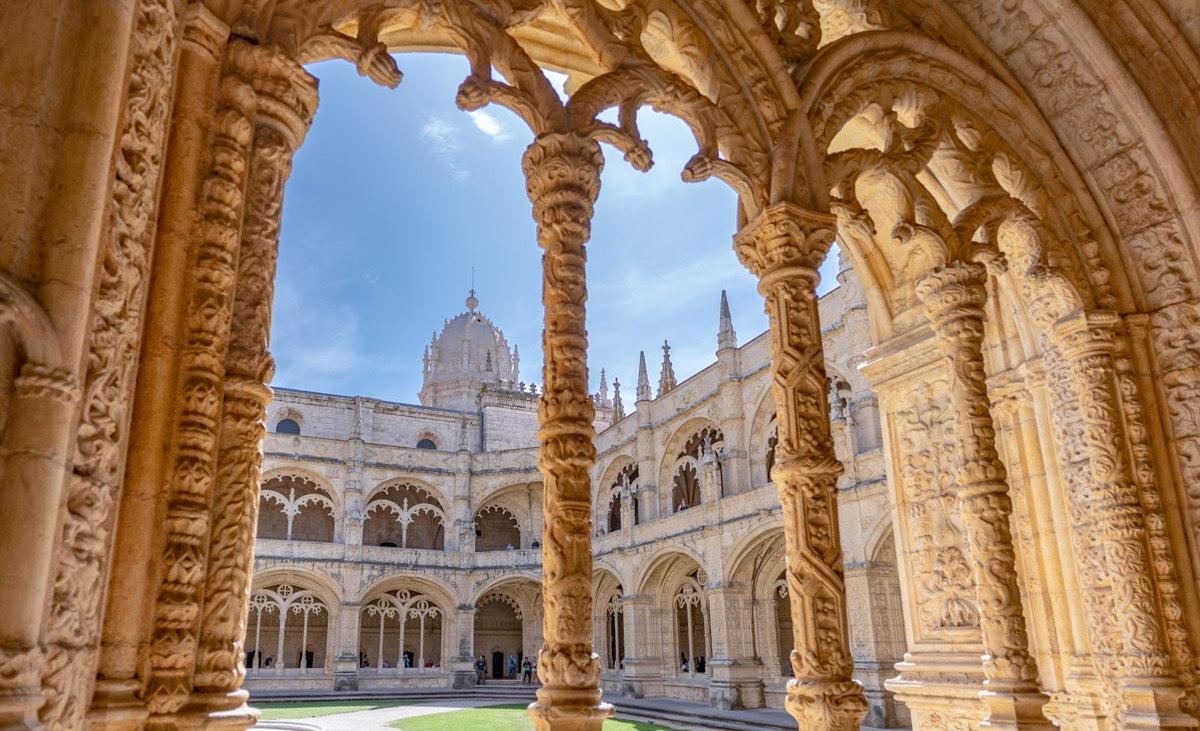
697 662
528 670
365 662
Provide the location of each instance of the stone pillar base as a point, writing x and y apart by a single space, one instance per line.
116 707
569 709
735 684
1154 706
460 679
226 711
345 681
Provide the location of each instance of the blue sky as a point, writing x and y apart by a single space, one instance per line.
397 194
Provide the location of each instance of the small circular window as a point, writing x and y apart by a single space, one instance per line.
287 426
426 444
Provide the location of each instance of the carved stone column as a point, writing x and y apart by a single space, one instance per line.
197 131
735 675
192 440
643 662
953 297
783 247
563 179
286 99
1110 531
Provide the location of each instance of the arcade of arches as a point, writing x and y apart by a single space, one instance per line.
691 599
1014 185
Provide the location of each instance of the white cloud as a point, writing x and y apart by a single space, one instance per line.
490 126
442 138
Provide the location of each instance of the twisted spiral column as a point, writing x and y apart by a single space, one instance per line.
563 179
953 297
783 247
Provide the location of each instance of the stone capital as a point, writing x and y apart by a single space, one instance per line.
204 31
953 291
784 242
1086 332
562 170
285 95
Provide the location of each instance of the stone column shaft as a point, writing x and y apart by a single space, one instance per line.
1110 532
954 297
118 701
563 179
783 247
194 436
280 127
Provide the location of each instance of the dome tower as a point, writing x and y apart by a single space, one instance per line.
469 354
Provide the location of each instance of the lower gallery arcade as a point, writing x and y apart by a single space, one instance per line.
1014 186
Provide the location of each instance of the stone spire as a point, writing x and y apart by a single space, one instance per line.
618 407
726 337
666 379
516 364
603 394
643 389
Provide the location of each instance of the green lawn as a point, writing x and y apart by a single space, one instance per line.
507 717
281 711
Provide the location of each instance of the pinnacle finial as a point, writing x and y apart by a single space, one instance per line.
726 337
618 407
643 387
604 389
472 302
666 379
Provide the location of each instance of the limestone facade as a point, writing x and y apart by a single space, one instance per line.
682 499
1014 185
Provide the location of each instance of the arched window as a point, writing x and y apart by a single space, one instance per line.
287 426
426 443
772 443
698 454
624 488
783 625
405 516
274 641
691 613
496 529
614 512
614 631
293 508
400 633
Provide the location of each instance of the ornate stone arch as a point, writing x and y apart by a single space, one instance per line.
687 453
616 499
651 575
398 609
296 504
496 528
284 597
414 583
842 85
402 513
435 493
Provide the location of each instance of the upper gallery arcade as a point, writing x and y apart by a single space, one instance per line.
1014 184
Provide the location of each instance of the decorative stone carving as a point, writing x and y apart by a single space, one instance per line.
286 99
954 297
1110 530
562 175
783 248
